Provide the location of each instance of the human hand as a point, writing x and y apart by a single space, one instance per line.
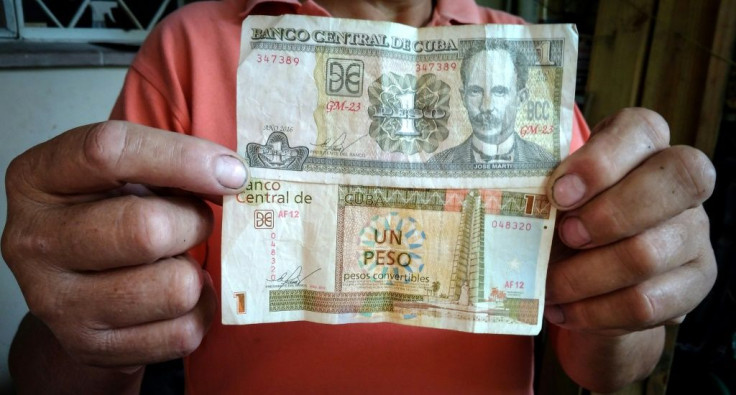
633 210
101 260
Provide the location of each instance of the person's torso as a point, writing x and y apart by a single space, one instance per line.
199 46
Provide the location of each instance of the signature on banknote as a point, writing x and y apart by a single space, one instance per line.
337 144
291 278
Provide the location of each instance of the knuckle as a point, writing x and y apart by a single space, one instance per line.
86 346
23 236
582 315
642 255
699 234
186 337
653 125
16 173
148 227
21 176
206 216
85 353
695 172
48 298
707 269
38 305
614 216
184 290
710 273
701 219
42 306
711 267
105 144
8 246
563 284
14 245
644 307
19 243
604 165
603 124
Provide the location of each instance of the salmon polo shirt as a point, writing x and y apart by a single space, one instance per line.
184 80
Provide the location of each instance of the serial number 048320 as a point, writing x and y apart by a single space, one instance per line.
272 271
511 225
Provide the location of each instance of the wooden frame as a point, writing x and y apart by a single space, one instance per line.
668 55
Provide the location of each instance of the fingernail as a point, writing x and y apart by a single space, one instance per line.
553 314
568 190
230 172
573 232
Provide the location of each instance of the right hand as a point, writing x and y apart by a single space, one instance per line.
101 260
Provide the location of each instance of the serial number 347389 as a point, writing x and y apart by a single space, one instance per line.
277 59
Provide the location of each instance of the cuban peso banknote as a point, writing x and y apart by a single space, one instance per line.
376 103
370 201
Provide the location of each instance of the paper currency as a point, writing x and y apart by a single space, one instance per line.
398 173
470 260
376 103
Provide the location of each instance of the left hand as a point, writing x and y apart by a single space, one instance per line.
633 209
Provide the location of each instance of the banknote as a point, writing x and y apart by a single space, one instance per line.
382 104
472 260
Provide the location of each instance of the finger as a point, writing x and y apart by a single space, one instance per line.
630 261
104 156
676 321
216 199
132 296
649 304
617 145
668 183
122 231
148 343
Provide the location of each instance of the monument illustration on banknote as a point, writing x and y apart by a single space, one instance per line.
398 173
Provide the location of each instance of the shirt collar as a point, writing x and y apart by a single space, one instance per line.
459 12
246 6
456 12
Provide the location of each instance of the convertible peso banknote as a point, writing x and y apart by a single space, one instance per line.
375 103
470 260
